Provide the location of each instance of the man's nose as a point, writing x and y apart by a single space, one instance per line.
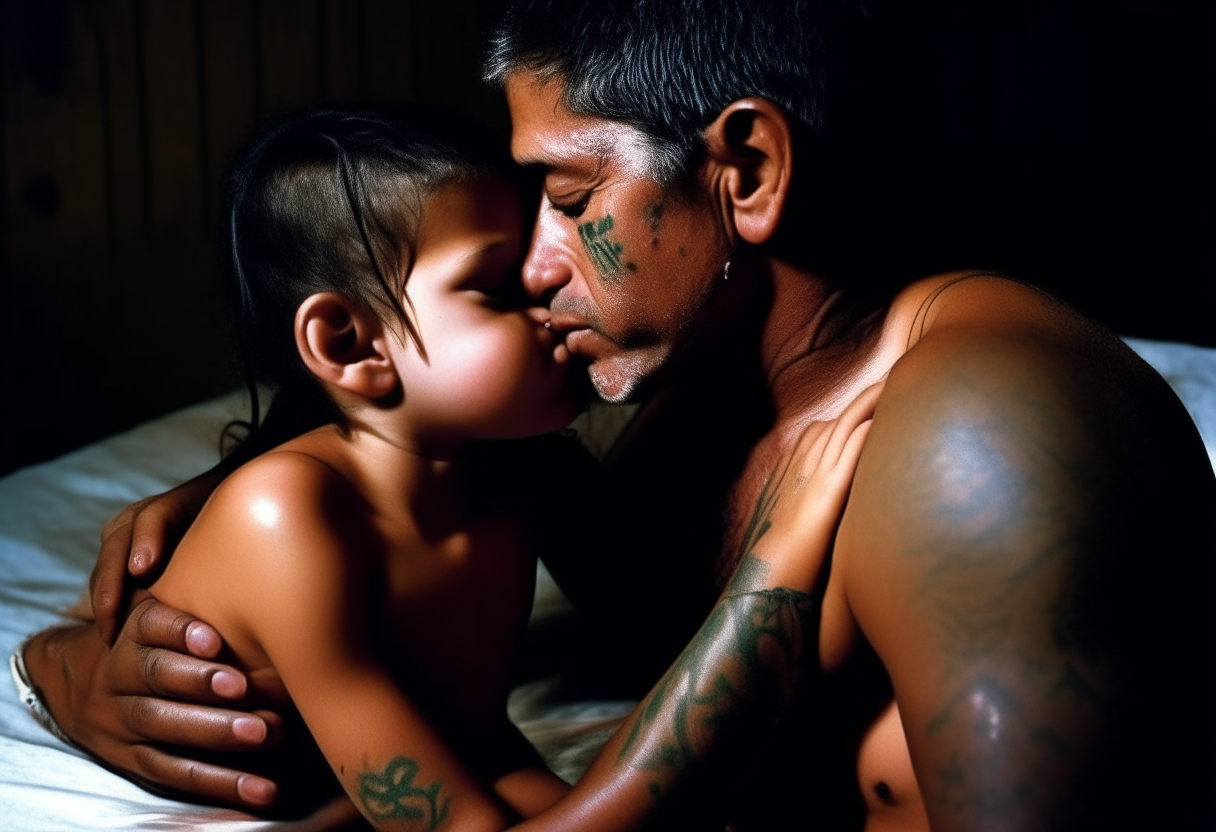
547 266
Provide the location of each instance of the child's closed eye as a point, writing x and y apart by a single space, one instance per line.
502 294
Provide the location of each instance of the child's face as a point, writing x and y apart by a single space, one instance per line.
491 369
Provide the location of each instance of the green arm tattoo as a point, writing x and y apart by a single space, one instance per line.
392 795
734 682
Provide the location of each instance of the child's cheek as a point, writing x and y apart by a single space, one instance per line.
491 367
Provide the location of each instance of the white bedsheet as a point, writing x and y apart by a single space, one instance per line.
50 517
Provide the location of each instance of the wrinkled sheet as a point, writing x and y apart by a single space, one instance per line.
50 518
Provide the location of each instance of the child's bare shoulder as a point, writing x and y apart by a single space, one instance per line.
288 500
291 481
284 533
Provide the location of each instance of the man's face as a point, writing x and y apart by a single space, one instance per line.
631 271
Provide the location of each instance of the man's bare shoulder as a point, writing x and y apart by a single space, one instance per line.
1028 525
972 331
1015 434
978 299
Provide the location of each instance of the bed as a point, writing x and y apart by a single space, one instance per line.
50 516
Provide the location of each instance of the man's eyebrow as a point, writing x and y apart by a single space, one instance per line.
542 164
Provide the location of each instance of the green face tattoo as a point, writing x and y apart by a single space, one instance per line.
605 251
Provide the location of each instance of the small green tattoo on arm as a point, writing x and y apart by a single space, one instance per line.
605 252
392 795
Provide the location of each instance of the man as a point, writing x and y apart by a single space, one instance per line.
1012 630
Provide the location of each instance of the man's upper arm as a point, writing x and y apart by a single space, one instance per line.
1002 553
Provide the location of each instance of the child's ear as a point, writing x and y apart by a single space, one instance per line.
752 143
344 344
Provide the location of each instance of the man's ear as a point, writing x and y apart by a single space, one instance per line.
751 143
344 344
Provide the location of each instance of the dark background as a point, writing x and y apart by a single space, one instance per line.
1067 143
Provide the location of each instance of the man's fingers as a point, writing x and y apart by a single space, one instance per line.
151 530
153 624
107 582
166 652
200 726
156 671
213 782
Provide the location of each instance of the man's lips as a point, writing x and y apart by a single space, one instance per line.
575 334
579 341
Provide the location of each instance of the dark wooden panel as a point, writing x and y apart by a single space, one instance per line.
230 95
290 60
388 50
173 118
340 54
56 200
449 45
122 99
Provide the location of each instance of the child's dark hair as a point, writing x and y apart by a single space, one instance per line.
330 201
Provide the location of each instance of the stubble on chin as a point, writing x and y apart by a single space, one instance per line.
619 380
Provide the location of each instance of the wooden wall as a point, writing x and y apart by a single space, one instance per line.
118 118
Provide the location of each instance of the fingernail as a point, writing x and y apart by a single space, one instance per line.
249 729
202 641
139 561
255 789
228 684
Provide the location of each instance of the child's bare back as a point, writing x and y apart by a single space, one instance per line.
308 558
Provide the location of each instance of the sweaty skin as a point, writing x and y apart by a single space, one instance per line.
1021 572
992 569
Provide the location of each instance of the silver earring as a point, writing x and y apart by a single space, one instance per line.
726 271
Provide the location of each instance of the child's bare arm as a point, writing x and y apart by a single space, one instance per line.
517 773
297 536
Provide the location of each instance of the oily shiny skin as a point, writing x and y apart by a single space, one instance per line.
1024 561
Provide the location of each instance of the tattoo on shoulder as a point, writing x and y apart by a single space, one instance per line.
393 795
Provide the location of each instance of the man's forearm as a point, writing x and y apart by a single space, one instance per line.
726 692
710 717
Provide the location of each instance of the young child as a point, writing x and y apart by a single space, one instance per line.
373 573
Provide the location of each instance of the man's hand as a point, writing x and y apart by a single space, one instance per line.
121 703
137 542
